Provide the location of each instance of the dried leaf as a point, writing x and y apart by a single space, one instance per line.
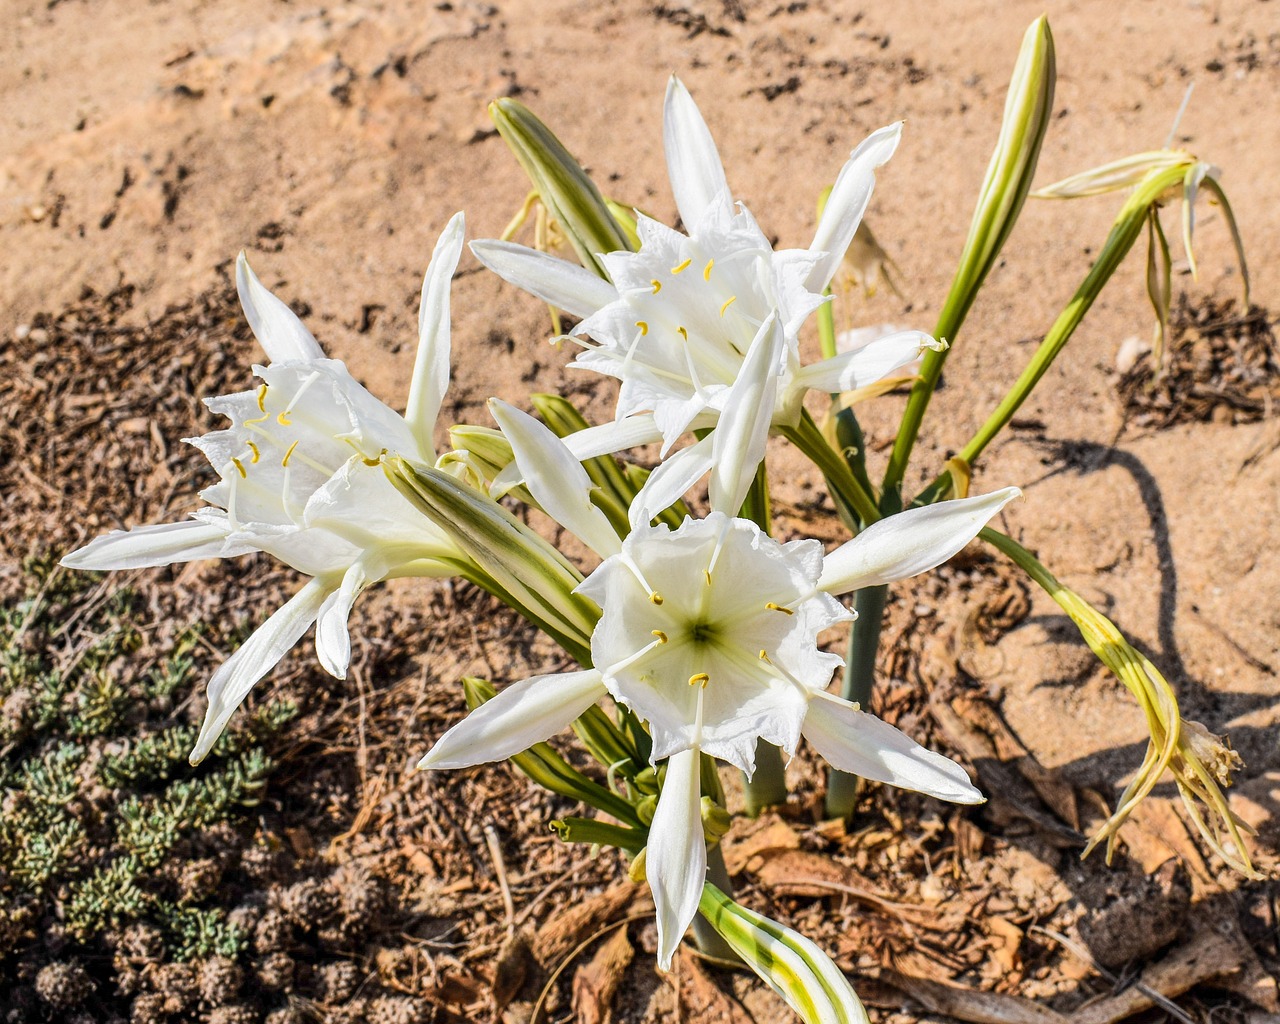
563 932
970 1005
509 973
596 982
702 1001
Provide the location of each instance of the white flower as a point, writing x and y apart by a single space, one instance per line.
680 315
709 633
301 478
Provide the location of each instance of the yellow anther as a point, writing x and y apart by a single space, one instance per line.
778 608
701 679
239 465
662 637
706 271
657 285
262 398
373 462
727 303
256 454
681 266
683 333
655 597
644 327
285 460
764 657
707 574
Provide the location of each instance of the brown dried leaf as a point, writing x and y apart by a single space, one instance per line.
970 1005
595 982
563 933
1207 955
509 973
702 1001
755 837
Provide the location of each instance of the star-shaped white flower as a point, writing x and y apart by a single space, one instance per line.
301 478
680 315
710 634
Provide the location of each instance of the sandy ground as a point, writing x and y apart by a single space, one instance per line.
146 144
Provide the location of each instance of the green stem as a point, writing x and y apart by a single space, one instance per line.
767 786
1028 107
710 941
1124 232
855 505
859 680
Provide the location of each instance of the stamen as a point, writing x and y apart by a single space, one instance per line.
706 271
656 598
232 521
701 679
374 462
779 608
630 659
283 418
707 574
727 303
256 454
662 637
681 266
285 461
683 333
240 466
644 327
765 657
657 285
262 407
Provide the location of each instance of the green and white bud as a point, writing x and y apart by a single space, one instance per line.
568 193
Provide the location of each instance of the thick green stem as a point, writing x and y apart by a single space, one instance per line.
711 942
767 786
859 680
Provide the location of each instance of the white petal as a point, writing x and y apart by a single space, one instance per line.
693 164
867 363
743 429
617 436
147 546
278 330
670 479
676 857
431 366
555 281
521 715
333 640
857 742
910 542
555 478
847 203
254 659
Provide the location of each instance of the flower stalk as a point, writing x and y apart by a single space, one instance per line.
1028 107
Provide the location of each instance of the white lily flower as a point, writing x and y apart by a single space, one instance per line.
301 478
680 315
709 632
